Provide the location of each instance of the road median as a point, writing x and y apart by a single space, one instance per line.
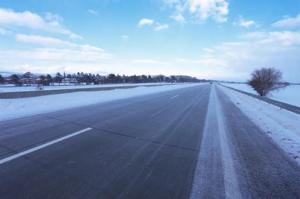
25 94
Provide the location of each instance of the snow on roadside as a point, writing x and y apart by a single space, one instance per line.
281 125
15 108
11 88
242 87
289 94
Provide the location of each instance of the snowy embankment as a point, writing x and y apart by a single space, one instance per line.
15 108
11 88
281 125
289 94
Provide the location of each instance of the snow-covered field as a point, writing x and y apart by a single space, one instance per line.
281 125
289 95
14 108
12 88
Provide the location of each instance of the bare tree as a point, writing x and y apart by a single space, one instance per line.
265 80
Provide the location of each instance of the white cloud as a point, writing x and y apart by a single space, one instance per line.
50 60
58 43
160 27
201 9
53 17
209 61
290 22
253 35
150 22
282 38
93 12
42 40
84 53
49 23
229 60
245 23
207 50
238 59
53 55
145 22
217 9
149 62
178 17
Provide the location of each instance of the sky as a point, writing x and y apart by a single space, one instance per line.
211 39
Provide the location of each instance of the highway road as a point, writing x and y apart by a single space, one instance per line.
185 143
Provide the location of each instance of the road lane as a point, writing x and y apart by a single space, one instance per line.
39 147
46 127
146 147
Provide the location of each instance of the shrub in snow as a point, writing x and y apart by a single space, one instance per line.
265 80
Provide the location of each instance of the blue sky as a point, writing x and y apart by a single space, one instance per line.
216 39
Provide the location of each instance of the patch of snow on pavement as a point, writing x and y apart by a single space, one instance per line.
281 125
15 108
215 140
232 189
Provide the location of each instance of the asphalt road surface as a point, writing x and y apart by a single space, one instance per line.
186 143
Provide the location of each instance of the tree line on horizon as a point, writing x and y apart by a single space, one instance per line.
29 78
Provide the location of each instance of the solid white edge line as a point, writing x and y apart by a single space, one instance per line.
23 153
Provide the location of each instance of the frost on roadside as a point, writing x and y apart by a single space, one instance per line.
281 125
